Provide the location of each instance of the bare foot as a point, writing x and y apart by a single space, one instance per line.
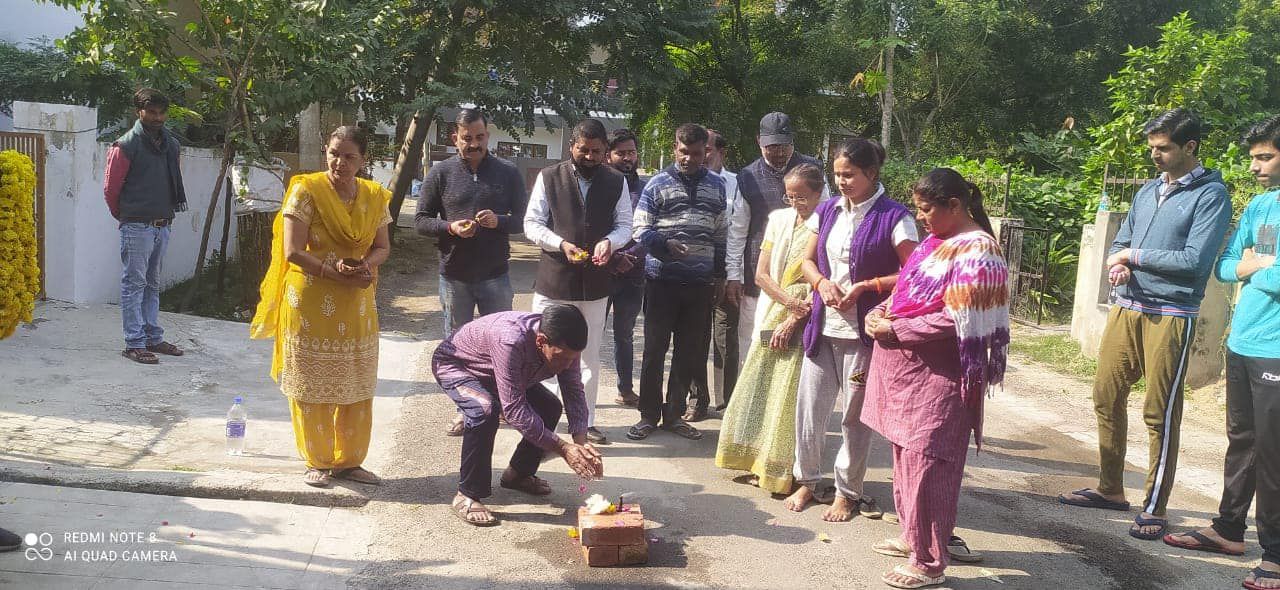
841 510
1264 582
798 500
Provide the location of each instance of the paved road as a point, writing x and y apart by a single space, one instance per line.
707 530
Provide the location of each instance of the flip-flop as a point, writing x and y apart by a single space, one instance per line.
464 508
1093 500
1139 521
960 551
1258 572
917 580
866 506
1203 543
892 548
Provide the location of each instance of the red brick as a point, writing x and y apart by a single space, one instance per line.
633 554
621 528
605 556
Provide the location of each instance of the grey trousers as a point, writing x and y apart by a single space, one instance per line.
837 371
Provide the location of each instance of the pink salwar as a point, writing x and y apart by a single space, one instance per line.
925 491
913 400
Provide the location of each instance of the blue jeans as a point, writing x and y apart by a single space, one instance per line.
142 247
626 303
460 299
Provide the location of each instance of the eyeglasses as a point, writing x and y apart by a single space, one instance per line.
793 199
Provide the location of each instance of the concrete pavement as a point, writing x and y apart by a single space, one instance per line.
77 413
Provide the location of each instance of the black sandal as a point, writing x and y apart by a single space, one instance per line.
641 431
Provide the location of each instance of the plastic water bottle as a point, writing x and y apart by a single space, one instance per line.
236 420
1105 203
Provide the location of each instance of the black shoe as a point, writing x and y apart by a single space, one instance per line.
595 436
9 541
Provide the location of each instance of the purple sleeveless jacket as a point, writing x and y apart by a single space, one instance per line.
871 254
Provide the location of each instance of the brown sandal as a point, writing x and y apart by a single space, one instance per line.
358 475
140 355
463 508
165 348
529 484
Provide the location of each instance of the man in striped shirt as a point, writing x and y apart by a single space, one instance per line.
681 220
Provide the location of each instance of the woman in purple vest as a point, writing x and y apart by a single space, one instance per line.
863 238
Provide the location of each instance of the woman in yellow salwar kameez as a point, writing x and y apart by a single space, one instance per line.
758 431
318 304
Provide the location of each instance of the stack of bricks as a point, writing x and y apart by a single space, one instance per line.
613 539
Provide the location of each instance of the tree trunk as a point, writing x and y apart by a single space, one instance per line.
408 161
228 152
886 99
226 229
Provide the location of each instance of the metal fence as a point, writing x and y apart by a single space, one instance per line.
1026 250
32 145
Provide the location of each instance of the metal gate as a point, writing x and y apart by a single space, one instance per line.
32 145
1026 250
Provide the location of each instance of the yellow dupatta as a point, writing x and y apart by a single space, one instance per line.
355 229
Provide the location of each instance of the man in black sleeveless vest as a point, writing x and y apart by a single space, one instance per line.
760 191
579 213
143 187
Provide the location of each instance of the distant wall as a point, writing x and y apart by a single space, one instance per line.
82 255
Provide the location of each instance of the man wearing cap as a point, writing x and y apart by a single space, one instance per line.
760 191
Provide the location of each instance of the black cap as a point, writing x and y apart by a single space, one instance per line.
775 128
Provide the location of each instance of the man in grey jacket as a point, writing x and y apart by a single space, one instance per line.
1159 264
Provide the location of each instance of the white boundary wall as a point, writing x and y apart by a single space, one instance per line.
82 241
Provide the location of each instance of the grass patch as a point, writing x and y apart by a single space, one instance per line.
1062 354
235 302
184 468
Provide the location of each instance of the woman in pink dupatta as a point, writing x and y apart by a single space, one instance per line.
940 343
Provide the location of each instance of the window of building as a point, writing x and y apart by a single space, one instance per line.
512 149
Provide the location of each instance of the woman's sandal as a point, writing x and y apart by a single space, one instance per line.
319 478
892 548
358 475
529 484
867 508
960 551
917 580
464 507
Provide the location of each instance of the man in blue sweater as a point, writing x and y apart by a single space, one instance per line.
1159 264
1253 375
681 220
